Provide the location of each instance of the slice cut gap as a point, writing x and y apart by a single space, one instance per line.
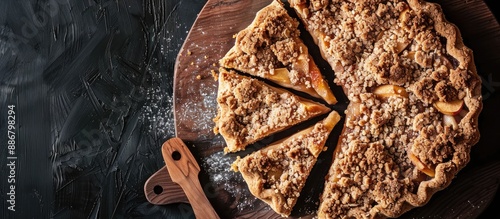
250 110
277 173
272 41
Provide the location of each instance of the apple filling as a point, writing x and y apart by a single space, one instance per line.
449 108
320 85
453 112
283 76
385 91
314 85
421 166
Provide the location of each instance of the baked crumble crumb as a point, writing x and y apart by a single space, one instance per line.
214 74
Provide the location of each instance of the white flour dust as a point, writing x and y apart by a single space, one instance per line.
218 167
200 110
158 108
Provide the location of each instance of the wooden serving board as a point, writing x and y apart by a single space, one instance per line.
195 92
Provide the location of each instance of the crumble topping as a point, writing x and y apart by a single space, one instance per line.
392 142
267 44
383 185
271 48
291 161
250 110
277 173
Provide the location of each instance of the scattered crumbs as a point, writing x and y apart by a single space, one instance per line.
218 167
214 74
206 57
198 77
200 110
192 63
234 36
189 52
213 64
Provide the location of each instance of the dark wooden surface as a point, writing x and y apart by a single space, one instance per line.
211 37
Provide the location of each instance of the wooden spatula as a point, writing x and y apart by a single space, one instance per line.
186 127
159 189
184 170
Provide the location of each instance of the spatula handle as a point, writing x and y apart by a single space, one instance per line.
201 206
159 189
184 170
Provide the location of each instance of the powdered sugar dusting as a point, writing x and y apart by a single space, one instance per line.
158 108
201 109
218 167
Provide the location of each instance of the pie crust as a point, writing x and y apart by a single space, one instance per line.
270 47
277 173
250 110
414 102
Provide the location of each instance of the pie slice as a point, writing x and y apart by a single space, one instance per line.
271 48
249 110
277 173
415 98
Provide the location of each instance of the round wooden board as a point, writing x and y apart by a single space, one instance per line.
195 105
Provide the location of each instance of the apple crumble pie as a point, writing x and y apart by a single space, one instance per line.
277 173
414 102
249 110
270 47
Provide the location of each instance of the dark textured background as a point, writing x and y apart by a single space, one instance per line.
91 82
